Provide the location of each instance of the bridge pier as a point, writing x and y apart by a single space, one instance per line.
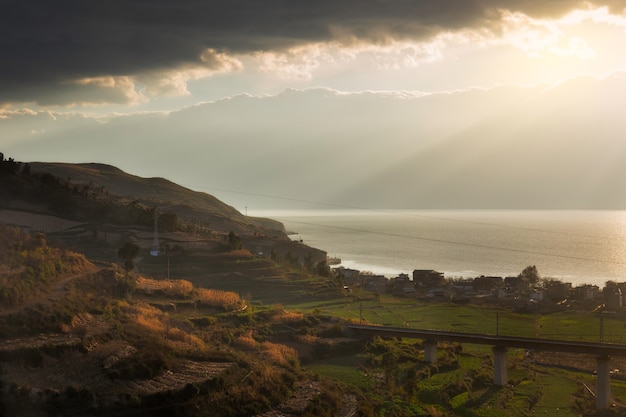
603 351
430 351
603 383
500 377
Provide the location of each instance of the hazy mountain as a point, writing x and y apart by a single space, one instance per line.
507 147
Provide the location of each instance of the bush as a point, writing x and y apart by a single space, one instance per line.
204 321
125 285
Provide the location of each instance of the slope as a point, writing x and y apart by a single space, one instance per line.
165 195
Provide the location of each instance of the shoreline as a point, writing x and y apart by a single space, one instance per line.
576 247
391 273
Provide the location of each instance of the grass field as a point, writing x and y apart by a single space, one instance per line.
343 369
470 319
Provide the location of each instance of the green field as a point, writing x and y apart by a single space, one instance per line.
584 326
533 389
343 369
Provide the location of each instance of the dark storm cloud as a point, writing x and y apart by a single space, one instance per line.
46 44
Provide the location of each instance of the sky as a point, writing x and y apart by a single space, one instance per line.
274 104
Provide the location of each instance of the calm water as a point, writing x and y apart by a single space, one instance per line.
573 246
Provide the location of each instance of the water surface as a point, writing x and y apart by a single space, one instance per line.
573 246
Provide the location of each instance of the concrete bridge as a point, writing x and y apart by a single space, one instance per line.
602 351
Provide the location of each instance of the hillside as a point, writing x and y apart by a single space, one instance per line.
165 195
80 335
95 208
80 339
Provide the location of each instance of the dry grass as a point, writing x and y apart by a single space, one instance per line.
174 288
179 336
148 317
286 316
217 298
279 354
307 339
78 322
158 323
246 341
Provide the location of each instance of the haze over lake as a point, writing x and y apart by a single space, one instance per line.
573 246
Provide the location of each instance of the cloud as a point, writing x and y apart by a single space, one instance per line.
538 37
174 82
296 63
48 46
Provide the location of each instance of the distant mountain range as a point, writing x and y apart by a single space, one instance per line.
508 147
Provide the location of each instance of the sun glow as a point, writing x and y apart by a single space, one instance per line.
539 38
599 15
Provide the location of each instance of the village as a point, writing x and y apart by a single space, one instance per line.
517 292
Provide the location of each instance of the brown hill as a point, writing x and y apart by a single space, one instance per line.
163 194
95 208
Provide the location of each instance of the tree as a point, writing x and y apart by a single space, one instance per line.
8 166
234 241
168 221
530 274
322 269
128 253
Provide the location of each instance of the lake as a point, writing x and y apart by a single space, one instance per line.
573 246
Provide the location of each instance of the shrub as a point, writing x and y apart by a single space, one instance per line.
204 321
125 285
